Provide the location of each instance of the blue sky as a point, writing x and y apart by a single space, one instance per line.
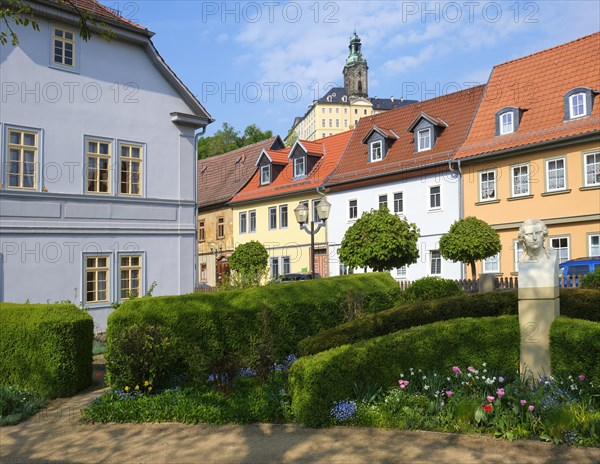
264 62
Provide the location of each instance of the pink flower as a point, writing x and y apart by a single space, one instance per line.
490 399
471 369
531 407
449 393
500 392
456 370
403 383
582 377
523 402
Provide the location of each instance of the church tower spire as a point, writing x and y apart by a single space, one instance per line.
356 70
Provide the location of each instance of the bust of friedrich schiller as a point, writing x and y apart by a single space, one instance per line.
532 235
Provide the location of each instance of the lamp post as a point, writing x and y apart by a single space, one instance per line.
301 212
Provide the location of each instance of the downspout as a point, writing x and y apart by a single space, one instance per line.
461 209
197 136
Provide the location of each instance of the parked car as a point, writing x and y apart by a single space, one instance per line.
573 268
298 276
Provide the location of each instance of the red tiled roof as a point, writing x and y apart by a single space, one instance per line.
221 177
100 11
314 148
456 110
333 148
537 83
278 156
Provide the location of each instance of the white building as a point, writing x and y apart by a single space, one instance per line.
98 171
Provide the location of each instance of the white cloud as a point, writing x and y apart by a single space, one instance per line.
222 37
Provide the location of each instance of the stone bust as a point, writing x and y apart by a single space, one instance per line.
533 234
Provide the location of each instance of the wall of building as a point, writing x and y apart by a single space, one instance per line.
205 255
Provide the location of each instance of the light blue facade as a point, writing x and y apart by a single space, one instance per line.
119 93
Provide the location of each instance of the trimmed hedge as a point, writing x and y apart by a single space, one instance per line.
582 304
317 382
208 331
46 348
575 348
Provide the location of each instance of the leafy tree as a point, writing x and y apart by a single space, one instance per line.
380 240
250 261
291 138
227 139
469 240
20 13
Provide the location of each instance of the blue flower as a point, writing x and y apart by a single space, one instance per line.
343 410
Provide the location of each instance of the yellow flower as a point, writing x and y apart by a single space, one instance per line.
146 383
137 387
149 388
126 388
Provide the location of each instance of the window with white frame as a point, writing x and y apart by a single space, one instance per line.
252 225
265 174
518 249
201 231
507 125
98 154
130 270
283 217
435 259
96 278
63 47
424 139
203 272
220 227
382 201
401 272
299 166
376 153
592 169
398 203
435 197
594 244
561 245
352 209
272 218
520 180
286 264
487 185
131 169
274 271
555 175
243 222
22 159
492 264
577 105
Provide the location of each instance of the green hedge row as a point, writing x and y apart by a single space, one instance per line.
210 331
582 304
317 382
575 347
46 348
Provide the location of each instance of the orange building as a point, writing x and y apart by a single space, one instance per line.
533 151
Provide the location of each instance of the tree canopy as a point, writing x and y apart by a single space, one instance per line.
227 139
470 240
250 260
380 240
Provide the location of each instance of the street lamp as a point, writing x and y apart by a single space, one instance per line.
214 248
301 212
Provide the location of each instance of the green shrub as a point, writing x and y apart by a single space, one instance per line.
17 405
249 328
575 348
582 304
46 348
430 288
592 280
317 382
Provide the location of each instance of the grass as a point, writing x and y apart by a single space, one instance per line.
17 405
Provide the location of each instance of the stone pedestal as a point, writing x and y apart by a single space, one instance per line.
487 283
539 305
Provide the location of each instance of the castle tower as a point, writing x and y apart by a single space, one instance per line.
355 70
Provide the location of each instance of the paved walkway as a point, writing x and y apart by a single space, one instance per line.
55 435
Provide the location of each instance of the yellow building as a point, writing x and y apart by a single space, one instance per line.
341 107
264 209
535 153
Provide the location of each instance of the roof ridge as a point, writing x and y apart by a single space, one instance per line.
547 50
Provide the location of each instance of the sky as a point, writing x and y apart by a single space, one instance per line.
264 62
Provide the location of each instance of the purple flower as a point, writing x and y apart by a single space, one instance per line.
531 407
343 410
456 370
501 379
443 403
471 369
523 402
582 377
449 393
490 399
500 392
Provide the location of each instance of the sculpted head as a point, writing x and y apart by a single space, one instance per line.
533 234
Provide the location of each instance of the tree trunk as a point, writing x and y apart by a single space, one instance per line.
473 273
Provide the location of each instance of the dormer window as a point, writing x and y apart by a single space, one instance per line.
376 151
265 174
424 139
507 125
577 106
578 103
299 167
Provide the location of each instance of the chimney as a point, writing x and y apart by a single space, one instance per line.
392 98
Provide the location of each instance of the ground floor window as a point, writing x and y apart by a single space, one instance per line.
96 278
492 264
130 269
436 262
561 245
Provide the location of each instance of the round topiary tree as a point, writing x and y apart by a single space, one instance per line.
380 240
250 260
469 240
